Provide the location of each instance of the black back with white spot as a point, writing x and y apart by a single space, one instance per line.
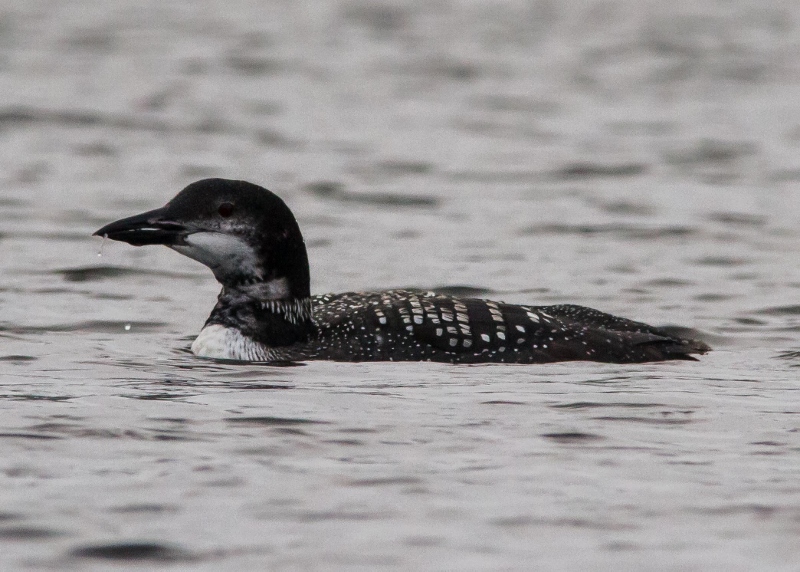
401 325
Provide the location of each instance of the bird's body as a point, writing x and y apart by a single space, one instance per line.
265 312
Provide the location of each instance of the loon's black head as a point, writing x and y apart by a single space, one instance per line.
244 233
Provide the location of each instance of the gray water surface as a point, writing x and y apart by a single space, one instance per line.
634 157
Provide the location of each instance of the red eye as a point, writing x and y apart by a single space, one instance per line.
225 210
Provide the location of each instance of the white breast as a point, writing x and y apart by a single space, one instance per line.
216 341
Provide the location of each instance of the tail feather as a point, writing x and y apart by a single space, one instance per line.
678 348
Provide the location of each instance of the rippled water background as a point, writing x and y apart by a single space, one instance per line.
637 157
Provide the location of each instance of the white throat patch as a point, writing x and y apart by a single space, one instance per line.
224 254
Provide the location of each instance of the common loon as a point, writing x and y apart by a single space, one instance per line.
250 240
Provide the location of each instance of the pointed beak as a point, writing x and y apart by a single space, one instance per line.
152 227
